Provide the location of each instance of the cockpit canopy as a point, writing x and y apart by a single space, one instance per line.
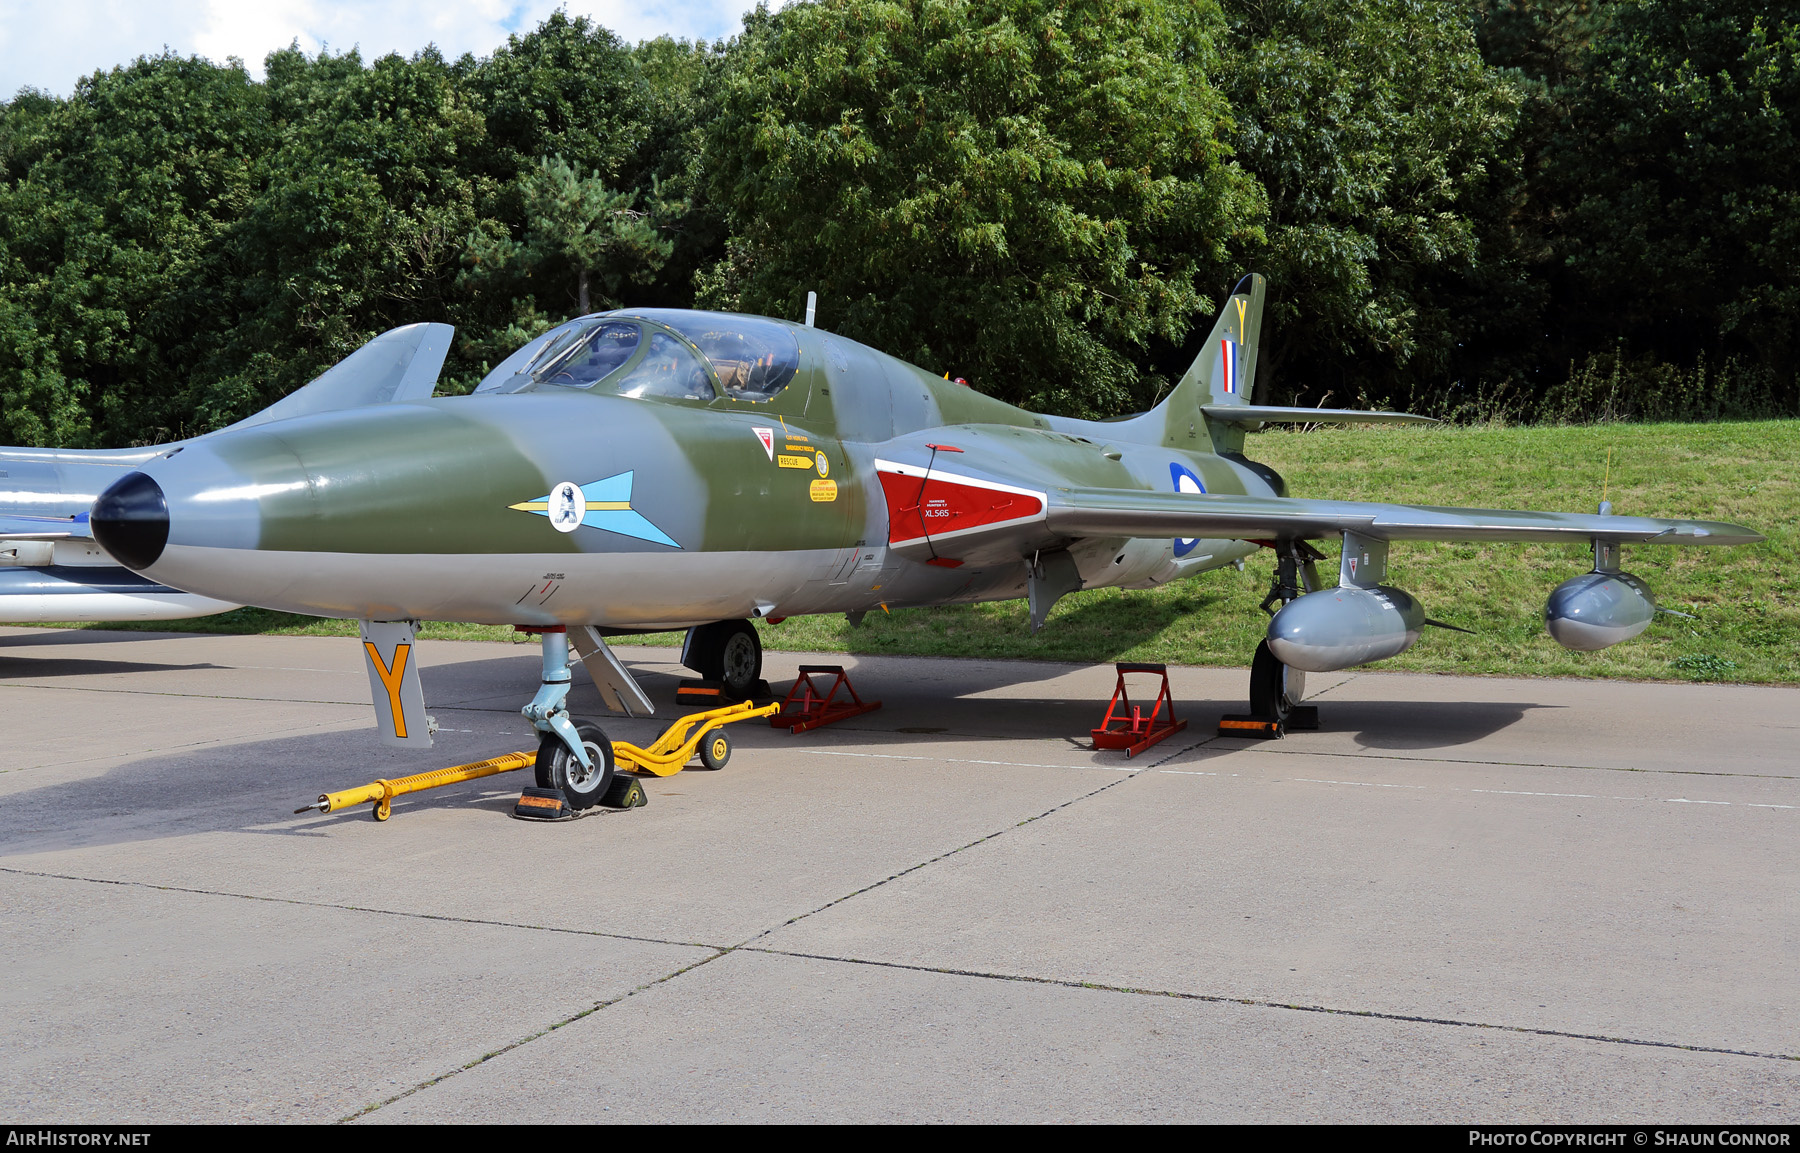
658 352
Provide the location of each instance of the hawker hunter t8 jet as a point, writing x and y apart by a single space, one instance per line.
656 469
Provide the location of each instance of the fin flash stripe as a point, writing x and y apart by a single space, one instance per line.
1230 366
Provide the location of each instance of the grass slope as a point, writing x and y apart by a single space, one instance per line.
1747 617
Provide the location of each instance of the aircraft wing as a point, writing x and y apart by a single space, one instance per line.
45 527
941 515
1128 513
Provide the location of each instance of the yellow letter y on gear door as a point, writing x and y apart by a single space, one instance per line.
390 653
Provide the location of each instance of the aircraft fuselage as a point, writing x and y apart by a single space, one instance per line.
565 506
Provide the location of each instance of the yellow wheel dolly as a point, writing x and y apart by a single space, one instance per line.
697 734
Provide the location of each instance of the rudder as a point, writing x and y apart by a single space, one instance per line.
1223 373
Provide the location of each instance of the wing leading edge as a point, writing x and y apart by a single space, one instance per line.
1128 513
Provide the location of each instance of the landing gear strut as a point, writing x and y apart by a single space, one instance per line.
575 759
1276 690
726 651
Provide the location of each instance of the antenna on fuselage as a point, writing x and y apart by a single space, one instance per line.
812 307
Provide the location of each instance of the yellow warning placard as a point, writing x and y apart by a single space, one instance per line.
824 491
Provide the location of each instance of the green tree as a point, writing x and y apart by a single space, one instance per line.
683 85
1676 175
113 205
359 225
1026 192
568 88
578 223
1385 145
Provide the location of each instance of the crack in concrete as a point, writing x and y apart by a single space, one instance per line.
1400 757
526 1040
941 856
445 917
1221 999
722 951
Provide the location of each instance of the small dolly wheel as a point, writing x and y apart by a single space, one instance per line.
715 750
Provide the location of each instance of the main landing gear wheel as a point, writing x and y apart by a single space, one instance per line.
715 750
1275 689
729 652
558 768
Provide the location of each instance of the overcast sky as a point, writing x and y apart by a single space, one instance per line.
49 44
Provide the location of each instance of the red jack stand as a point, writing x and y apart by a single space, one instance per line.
1127 727
808 708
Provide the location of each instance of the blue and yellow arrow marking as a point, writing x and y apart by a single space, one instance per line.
608 508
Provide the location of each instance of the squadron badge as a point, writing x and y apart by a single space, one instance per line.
603 504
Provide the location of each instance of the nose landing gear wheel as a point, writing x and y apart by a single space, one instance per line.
557 767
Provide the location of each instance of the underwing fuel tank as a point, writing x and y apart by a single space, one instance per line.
1598 609
1336 628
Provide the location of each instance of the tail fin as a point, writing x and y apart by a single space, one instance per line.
400 364
1223 374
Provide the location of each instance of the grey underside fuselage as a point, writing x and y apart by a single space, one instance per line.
624 591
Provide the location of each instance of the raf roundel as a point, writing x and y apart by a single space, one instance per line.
1185 481
568 507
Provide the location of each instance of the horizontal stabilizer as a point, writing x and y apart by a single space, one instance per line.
1259 414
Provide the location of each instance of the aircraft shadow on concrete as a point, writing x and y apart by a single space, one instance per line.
949 708
1409 725
250 787
254 785
29 668
41 638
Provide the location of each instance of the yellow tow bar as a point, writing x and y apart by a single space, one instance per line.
382 793
665 757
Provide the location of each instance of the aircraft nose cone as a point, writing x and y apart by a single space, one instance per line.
131 521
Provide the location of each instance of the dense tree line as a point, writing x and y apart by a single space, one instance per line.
1529 207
